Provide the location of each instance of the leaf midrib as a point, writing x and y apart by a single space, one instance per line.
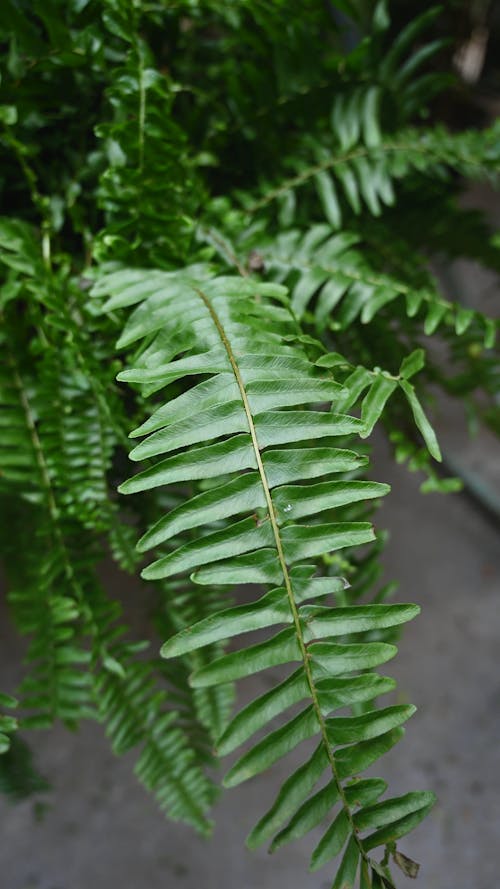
281 558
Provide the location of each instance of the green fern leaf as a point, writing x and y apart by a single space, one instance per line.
256 417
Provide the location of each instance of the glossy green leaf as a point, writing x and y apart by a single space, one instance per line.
296 501
208 462
232 541
263 395
350 186
308 816
352 729
381 297
305 541
8 701
421 420
219 389
412 364
358 757
280 649
364 791
332 842
272 608
294 791
224 419
283 466
273 747
374 402
391 810
400 827
306 287
490 332
275 428
360 295
435 314
354 386
463 320
213 361
241 494
370 116
256 567
366 184
330 658
343 691
330 295
329 198
321 621
259 712
347 871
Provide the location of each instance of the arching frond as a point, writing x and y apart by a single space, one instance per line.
139 711
251 422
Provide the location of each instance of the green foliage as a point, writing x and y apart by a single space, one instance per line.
217 231
8 724
255 382
19 778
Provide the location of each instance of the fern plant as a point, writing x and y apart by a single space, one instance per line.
226 259
256 380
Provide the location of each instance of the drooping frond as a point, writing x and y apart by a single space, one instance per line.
61 419
246 424
140 711
47 585
126 128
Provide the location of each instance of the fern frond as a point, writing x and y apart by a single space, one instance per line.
47 588
364 174
241 424
331 277
141 711
63 423
17 457
143 146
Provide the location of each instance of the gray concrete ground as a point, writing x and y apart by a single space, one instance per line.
102 830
